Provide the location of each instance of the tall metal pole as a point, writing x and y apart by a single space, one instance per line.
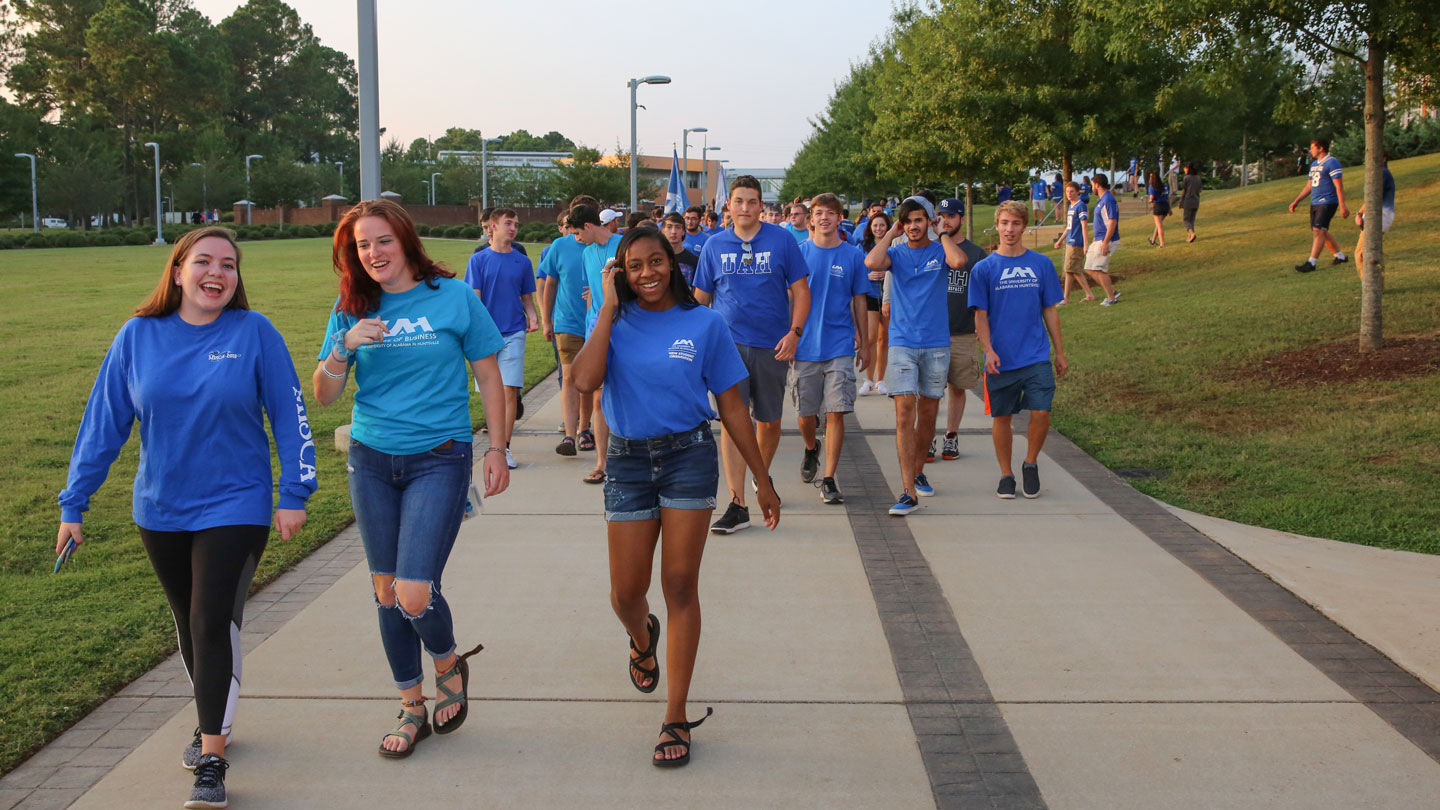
434 195
704 170
484 172
34 192
708 150
159 238
368 75
340 165
249 203
685 155
634 83
204 190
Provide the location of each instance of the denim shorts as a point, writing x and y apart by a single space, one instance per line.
1030 388
674 471
918 371
512 360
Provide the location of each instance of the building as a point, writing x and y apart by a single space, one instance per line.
771 181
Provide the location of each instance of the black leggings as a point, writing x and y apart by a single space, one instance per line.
206 575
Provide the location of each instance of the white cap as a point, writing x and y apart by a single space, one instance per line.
609 215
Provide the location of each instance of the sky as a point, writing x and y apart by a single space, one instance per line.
752 72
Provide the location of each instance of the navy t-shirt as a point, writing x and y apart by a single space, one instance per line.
1160 192
689 348
837 275
751 288
1004 193
919 317
501 278
957 298
1014 292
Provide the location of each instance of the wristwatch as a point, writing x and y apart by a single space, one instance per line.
798 330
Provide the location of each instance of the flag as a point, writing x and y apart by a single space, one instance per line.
675 199
721 195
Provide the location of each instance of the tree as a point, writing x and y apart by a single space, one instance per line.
834 158
585 174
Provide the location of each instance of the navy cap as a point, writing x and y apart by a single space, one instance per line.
950 205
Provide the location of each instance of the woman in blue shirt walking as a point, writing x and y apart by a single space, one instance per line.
409 327
199 370
660 355
1159 207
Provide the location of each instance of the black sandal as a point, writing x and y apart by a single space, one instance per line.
637 672
451 696
673 730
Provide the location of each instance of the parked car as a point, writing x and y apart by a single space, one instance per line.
53 222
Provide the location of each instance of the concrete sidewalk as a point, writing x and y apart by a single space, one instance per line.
1088 649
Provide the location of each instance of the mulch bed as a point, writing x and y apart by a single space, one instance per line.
1341 363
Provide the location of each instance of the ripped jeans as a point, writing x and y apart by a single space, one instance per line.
408 509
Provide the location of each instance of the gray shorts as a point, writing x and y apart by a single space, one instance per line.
763 392
824 386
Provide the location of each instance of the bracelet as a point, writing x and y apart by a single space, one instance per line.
332 375
489 450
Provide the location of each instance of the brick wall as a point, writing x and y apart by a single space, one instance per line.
332 210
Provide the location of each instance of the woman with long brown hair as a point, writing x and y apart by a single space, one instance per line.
409 327
878 327
199 371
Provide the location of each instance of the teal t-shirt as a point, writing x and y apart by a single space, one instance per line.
412 392
595 259
565 261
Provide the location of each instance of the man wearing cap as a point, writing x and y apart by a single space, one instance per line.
964 371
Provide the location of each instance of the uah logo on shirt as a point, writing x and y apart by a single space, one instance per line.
932 266
731 264
405 326
403 332
683 349
1017 272
837 270
216 357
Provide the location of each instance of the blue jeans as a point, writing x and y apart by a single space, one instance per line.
674 471
408 509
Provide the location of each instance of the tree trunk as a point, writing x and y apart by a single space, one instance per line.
1066 166
1372 279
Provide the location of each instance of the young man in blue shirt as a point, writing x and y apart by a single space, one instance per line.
1387 215
1107 239
754 275
919 360
1327 193
1037 194
694 236
562 316
825 357
600 243
1004 192
799 224
504 280
1073 239
1014 292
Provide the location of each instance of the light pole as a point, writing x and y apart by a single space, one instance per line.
705 161
249 203
34 195
635 83
367 75
434 196
485 170
685 154
159 238
204 189
341 166
426 184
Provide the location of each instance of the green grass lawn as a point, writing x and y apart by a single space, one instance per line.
1167 381
73 639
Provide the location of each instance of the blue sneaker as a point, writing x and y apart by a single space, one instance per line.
922 486
905 505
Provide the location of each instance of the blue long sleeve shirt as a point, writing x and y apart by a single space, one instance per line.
198 393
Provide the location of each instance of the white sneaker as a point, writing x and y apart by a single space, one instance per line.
510 459
881 389
865 388
1110 302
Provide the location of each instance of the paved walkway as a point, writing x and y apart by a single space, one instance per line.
1088 649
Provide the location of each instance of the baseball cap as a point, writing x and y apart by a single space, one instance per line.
609 215
925 204
951 205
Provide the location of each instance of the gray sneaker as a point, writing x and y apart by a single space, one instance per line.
1030 478
829 493
209 790
190 757
810 464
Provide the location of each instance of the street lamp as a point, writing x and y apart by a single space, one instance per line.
705 162
367 75
685 153
159 238
341 166
249 203
635 83
485 170
204 189
434 197
426 184
34 197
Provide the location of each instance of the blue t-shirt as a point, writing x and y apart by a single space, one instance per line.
752 290
1037 190
837 275
201 394
1387 191
1160 192
800 235
1004 194
689 348
1323 174
1106 212
695 241
1014 292
1074 225
596 257
1057 190
501 279
412 392
1085 196
919 283
564 261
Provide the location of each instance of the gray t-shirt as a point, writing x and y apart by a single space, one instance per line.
957 299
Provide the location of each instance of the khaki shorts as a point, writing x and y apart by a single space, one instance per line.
568 346
1075 260
964 362
1097 261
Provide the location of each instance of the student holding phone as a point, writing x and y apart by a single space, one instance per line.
197 367
663 469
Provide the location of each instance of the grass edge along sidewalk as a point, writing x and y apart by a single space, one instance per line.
71 641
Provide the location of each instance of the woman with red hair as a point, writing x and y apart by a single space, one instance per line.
409 327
